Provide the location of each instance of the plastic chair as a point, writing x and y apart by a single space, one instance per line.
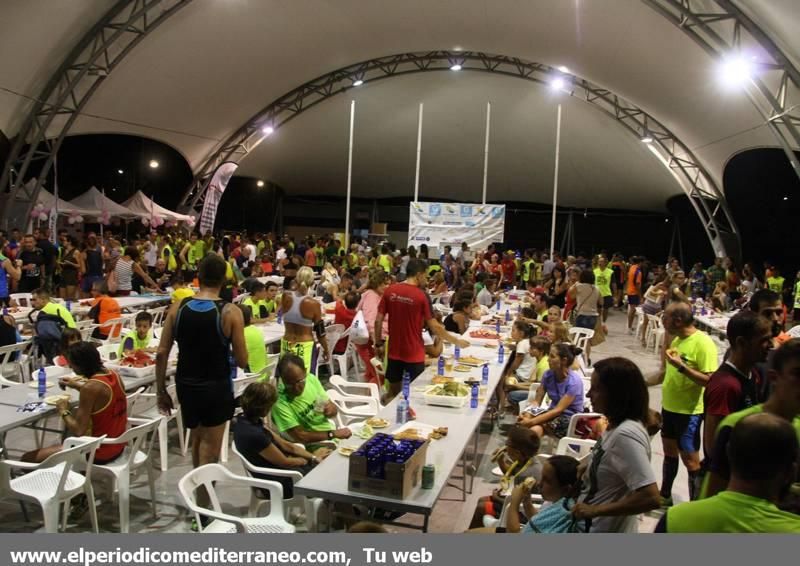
580 338
132 398
655 332
575 420
22 299
239 298
158 315
108 352
54 482
333 333
116 329
136 455
152 413
578 448
15 366
349 352
210 476
356 389
352 408
310 505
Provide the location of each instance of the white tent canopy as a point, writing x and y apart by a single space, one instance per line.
94 199
48 201
144 207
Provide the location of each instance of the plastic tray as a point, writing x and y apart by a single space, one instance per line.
445 400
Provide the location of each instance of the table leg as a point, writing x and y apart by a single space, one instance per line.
464 475
425 524
474 469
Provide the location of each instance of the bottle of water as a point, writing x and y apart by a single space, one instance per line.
402 411
498 305
5 311
42 379
440 367
508 316
69 305
497 326
280 316
457 352
519 308
473 401
232 362
406 384
485 375
501 353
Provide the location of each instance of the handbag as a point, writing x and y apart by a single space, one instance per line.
359 334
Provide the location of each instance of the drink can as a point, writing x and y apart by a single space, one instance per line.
428 476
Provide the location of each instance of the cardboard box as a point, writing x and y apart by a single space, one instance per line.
401 479
379 228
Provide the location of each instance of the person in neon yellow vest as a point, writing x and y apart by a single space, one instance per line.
168 255
138 339
776 282
385 260
191 254
261 301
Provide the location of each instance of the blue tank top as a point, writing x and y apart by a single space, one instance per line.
3 278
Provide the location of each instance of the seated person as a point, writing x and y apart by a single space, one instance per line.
564 386
552 326
49 320
344 314
69 337
138 339
254 340
303 408
104 308
102 405
559 488
180 290
486 297
457 322
256 442
8 331
521 365
516 460
161 275
763 453
261 301
335 291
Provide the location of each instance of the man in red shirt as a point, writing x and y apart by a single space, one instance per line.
737 385
344 314
509 270
409 309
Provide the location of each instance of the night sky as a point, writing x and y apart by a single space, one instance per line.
756 183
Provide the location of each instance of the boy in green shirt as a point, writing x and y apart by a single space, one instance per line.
259 302
254 340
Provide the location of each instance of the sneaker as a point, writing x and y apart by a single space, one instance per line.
204 521
665 502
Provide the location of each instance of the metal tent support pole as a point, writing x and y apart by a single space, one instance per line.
555 183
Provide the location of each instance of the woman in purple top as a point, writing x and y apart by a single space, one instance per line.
564 387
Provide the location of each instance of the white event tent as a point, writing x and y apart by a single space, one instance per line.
144 207
94 199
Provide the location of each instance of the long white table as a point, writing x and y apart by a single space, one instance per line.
716 323
329 480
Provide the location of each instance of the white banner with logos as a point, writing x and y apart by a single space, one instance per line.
438 224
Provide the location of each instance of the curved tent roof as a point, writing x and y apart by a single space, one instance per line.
212 65
145 207
48 200
93 198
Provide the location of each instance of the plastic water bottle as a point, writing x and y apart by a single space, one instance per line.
402 411
232 362
69 305
501 353
498 305
280 316
457 352
497 326
406 385
508 316
473 401
440 367
5 311
519 308
42 379
485 375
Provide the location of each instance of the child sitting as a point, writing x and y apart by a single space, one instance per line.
138 339
180 290
539 349
254 340
521 365
559 487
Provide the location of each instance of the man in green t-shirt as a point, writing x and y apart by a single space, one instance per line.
783 402
303 409
776 282
763 453
604 278
690 360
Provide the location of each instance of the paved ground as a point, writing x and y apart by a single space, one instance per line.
450 515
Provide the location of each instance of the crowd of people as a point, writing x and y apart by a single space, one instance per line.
730 425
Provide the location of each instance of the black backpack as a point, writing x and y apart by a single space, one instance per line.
48 334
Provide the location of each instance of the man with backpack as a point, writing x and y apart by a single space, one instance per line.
49 320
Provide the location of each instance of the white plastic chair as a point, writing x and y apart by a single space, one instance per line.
15 371
333 333
131 398
578 448
655 332
794 332
310 505
211 476
136 455
580 338
158 315
151 413
116 329
22 299
356 389
54 482
352 408
576 418
108 352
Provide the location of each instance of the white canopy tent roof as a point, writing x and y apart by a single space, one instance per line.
144 207
94 199
66 208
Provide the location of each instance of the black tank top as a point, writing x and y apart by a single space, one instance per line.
451 325
94 263
8 333
204 351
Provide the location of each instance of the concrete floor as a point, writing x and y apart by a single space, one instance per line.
451 514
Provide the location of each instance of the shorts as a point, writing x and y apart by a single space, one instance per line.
683 428
586 321
650 308
634 300
395 369
304 350
559 425
518 396
69 278
206 404
88 281
608 302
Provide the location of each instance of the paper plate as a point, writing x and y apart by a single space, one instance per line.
54 399
35 384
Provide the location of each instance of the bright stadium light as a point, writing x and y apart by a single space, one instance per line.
558 83
647 138
154 164
120 171
563 69
267 130
259 183
358 82
455 67
737 70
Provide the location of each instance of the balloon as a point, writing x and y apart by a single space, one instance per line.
71 220
145 221
42 216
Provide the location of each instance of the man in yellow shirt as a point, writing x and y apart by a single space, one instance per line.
603 278
690 360
180 290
